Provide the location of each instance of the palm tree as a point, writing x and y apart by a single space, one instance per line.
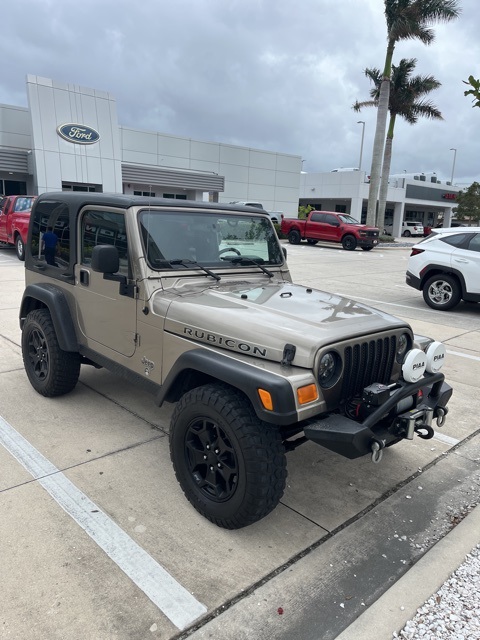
406 100
406 20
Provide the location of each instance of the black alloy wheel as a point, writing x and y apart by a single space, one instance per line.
349 243
230 465
50 370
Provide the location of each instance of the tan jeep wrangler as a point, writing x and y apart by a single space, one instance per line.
194 302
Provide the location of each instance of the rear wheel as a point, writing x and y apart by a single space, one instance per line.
51 371
230 465
20 248
406 234
442 292
367 248
294 237
349 243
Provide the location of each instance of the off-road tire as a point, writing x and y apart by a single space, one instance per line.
51 371
349 242
310 241
442 292
294 237
20 248
230 465
367 248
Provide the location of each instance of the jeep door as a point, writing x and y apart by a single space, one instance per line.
106 311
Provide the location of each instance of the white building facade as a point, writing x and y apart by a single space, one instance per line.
69 139
419 197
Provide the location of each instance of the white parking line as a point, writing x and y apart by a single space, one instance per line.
157 584
463 355
446 439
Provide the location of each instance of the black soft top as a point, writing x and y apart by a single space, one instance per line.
78 199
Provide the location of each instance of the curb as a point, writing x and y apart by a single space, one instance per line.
400 603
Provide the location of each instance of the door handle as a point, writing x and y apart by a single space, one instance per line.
461 260
84 278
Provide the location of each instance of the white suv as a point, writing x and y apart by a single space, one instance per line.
445 266
409 228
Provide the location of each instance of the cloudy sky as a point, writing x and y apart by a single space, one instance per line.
279 75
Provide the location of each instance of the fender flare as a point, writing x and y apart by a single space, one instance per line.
237 374
45 295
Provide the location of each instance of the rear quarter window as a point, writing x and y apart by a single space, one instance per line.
457 240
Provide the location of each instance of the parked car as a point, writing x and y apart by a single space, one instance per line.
248 203
445 267
409 228
329 226
14 219
428 230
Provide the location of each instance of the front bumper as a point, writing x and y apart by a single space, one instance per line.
367 242
384 425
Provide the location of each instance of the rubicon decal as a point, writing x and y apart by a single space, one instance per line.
222 341
78 133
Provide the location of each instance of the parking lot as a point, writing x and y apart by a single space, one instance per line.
98 541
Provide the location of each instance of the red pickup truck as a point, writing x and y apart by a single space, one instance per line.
328 226
14 219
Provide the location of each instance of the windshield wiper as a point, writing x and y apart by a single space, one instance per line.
247 260
195 265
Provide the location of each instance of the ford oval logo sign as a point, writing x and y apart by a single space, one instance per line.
78 133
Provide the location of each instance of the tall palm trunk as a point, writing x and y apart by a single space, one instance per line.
387 161
379 140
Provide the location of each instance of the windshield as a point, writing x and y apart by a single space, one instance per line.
212 239
348 219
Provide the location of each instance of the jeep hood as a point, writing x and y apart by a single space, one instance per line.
260 320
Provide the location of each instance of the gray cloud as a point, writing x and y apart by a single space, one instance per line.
277 75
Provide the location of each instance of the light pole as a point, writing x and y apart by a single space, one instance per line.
361 144
453 166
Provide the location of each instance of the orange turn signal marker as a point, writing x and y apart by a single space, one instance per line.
266 399
307 394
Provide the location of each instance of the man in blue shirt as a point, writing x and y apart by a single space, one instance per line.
50 240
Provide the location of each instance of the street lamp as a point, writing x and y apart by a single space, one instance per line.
453 166
361 144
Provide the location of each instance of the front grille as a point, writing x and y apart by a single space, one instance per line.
367 362
372 234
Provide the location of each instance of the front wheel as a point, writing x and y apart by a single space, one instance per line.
367 248
51 371
442 292
20 248
310 241
230 465
294 237
349 243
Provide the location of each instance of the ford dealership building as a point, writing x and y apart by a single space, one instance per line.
69 139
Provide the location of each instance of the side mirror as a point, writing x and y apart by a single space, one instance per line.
105 259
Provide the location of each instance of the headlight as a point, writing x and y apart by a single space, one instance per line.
402 346
329 369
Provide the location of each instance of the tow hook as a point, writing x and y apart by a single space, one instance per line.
377 450
441 416
424 431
